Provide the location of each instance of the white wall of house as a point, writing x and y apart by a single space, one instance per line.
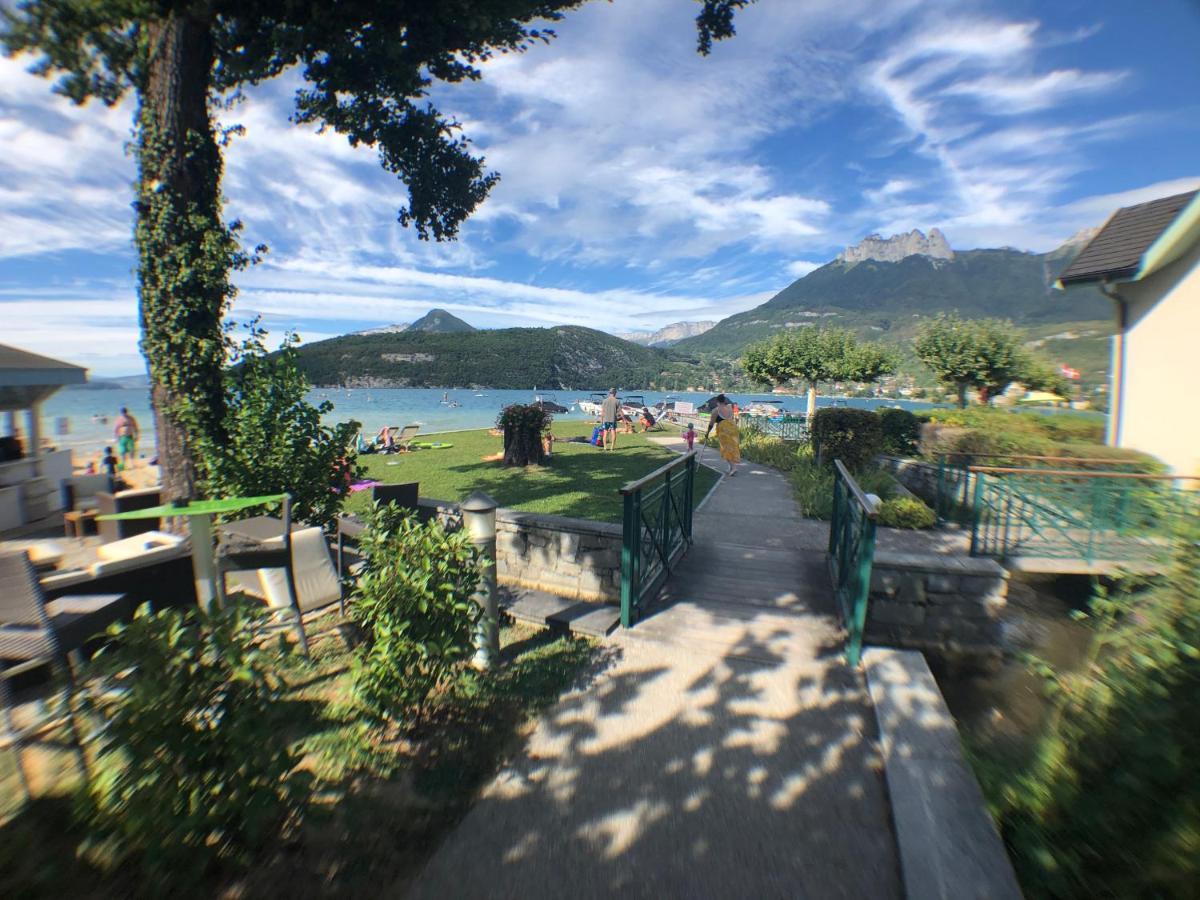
1160 409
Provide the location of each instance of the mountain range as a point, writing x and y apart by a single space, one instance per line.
668 335
882 288
505 358
437 321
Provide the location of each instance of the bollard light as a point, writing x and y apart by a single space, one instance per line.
479 517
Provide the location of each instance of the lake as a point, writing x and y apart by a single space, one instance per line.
82 420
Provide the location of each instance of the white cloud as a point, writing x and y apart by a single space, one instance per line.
801 267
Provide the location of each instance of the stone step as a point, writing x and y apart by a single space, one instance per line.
551 611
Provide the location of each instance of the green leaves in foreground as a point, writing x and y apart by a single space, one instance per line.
195 767
414 606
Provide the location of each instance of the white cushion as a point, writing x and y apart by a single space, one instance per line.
317 582
137 545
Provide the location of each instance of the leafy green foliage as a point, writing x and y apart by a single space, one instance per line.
906 512
274 440
983 432
816 355
414 606
195 766
367 71
901 431
855 436
983 354
812 484
1108 804
523 426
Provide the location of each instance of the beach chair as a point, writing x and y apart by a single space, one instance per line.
262 542
35 632
404 438
313 583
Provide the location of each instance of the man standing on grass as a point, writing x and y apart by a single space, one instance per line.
609 410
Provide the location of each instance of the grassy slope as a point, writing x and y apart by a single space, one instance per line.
580 480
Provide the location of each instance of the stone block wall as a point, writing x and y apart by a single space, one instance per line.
918 477
936 602
574 558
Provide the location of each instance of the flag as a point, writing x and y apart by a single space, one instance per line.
1068 372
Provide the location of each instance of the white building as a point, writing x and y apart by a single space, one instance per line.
1146 258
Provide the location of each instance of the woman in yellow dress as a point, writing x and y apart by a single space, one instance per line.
724 421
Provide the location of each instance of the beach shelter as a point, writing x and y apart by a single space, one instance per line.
27 380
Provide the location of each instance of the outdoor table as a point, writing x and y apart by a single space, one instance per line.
199 514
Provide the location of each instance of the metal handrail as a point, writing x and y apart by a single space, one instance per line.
656 531
868 502
1075 473
851 554
681 461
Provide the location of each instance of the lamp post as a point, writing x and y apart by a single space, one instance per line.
479 517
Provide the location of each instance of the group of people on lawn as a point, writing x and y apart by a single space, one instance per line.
722 420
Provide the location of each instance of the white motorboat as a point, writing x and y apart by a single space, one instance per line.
593 405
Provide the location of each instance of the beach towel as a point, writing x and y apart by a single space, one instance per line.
362 486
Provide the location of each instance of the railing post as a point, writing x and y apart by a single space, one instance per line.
664 522
835 515
940 495
866 560
689 496
976 512
629 540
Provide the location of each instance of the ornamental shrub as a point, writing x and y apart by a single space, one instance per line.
414 606
1107 802
523 425
195 765
906 512
901 431
855 436
274 440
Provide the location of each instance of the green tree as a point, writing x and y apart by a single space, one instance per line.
274 439
815 355
980 354
367 70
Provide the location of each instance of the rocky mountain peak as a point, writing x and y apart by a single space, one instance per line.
897 247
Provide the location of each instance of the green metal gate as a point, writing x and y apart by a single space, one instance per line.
656 531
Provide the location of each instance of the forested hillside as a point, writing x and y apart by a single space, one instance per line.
513 358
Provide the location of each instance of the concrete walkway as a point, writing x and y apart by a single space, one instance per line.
722 749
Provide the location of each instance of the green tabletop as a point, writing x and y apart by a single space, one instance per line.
195 508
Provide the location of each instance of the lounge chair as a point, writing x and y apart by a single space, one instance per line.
403 440
35 632
262 542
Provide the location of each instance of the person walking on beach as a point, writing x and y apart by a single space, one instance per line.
126 431
727 434
610 409
690 436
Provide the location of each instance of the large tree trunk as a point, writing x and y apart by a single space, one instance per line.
812 400
185 251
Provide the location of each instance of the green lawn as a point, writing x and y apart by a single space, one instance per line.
579 481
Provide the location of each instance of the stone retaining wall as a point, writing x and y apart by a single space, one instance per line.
936 602
574 558
919 477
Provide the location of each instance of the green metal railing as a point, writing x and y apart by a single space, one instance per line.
788 428
954 493
657 530
1123 517
851 554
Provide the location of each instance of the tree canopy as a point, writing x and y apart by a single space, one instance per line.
366 70
816 355
985 355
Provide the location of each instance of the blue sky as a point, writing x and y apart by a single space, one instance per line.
641 184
